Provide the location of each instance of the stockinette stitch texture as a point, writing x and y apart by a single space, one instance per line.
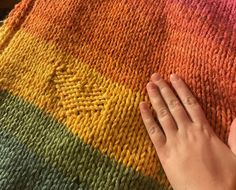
72 75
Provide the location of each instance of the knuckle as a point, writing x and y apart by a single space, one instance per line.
156 101
174 103
198 126
162 112
152 130
152 127
149 121
203 129
190 100
163 88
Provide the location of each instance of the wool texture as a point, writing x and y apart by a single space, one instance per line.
72 75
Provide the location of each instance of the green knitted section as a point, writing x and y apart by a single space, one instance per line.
30 171
51 141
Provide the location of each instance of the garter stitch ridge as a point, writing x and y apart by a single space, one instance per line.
72 75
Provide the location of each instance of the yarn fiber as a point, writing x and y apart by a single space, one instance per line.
72 75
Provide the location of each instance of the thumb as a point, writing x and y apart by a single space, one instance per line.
232 137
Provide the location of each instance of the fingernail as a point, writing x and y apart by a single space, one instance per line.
156 77
174 77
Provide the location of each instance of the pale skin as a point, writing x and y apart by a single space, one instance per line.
191 154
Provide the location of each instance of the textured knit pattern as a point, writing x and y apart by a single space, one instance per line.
72 75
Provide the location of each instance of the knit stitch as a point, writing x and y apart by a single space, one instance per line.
72 75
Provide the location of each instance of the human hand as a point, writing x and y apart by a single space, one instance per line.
191 154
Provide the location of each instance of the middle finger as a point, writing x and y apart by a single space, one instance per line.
177 110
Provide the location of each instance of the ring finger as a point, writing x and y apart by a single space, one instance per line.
176 109
166 120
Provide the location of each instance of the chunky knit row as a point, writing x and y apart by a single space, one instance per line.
72 75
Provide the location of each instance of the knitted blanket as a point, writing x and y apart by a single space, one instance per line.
72 75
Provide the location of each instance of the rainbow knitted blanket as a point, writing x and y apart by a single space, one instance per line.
72 75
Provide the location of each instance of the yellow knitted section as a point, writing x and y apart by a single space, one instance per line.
4 32
78 96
